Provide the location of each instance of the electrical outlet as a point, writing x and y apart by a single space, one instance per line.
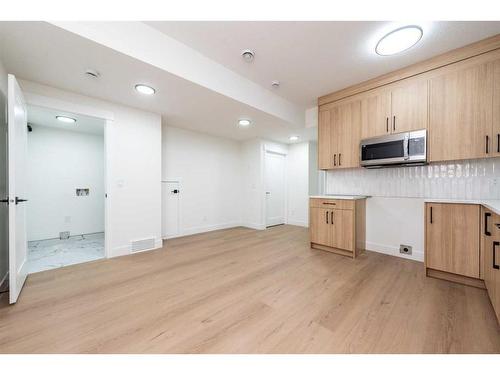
405 249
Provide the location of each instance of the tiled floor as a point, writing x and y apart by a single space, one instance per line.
48 254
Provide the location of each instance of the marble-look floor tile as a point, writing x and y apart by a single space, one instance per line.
54 253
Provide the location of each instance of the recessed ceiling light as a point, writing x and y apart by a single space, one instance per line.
145 89
244 122
248 55
66 119
399 40
293 138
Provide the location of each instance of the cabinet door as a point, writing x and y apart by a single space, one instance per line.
409 106
375 113
493 265
496 110
325 158
452 238
320 226
346 129
343 234
461 112
487 247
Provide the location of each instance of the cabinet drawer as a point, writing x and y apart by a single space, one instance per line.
340 204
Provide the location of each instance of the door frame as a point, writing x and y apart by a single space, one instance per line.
285 188
179 207
84 110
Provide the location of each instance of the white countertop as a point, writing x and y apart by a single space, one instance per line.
491 204
347 197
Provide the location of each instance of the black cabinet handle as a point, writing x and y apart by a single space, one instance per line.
431 214
326 217
387 124
495 265
498 142
486 216
331 216
335 160
19 200
340 163
487 144
393 122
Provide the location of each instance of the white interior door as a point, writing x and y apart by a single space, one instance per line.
275 188
170 209
17 145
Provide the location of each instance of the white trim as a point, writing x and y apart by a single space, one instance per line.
394 251
204 229
52 103
256 226
298 223
285 182
108 117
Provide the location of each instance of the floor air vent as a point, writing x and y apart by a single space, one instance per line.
146 244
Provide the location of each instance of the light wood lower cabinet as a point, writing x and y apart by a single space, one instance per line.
490 249
452 238
462 244
338 225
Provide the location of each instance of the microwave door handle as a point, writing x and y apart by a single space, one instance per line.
406 147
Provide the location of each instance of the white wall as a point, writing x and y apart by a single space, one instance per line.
298 184
59 162
4 249
395 213
133 164
209 171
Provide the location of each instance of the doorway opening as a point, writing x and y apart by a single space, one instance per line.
65 186
275 169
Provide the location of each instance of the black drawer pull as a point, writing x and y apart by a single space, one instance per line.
495 265
326 217
431 214
486 231
332 216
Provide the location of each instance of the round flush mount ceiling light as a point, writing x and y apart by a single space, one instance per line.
293 138
399 40
66 119
244 122
248 55
145 89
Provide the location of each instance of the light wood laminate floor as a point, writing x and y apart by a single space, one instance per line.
246 291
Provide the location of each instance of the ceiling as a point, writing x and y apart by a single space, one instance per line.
312 59
38 116
58 58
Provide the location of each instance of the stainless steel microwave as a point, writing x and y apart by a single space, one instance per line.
408 148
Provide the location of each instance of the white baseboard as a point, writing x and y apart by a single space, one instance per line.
298 223
254 226
203 229
394 251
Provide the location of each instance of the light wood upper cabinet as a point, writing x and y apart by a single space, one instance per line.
346 127
375 113
461 112
496 109
325 161
452 238
409 106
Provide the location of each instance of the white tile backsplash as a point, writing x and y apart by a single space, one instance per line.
468 179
